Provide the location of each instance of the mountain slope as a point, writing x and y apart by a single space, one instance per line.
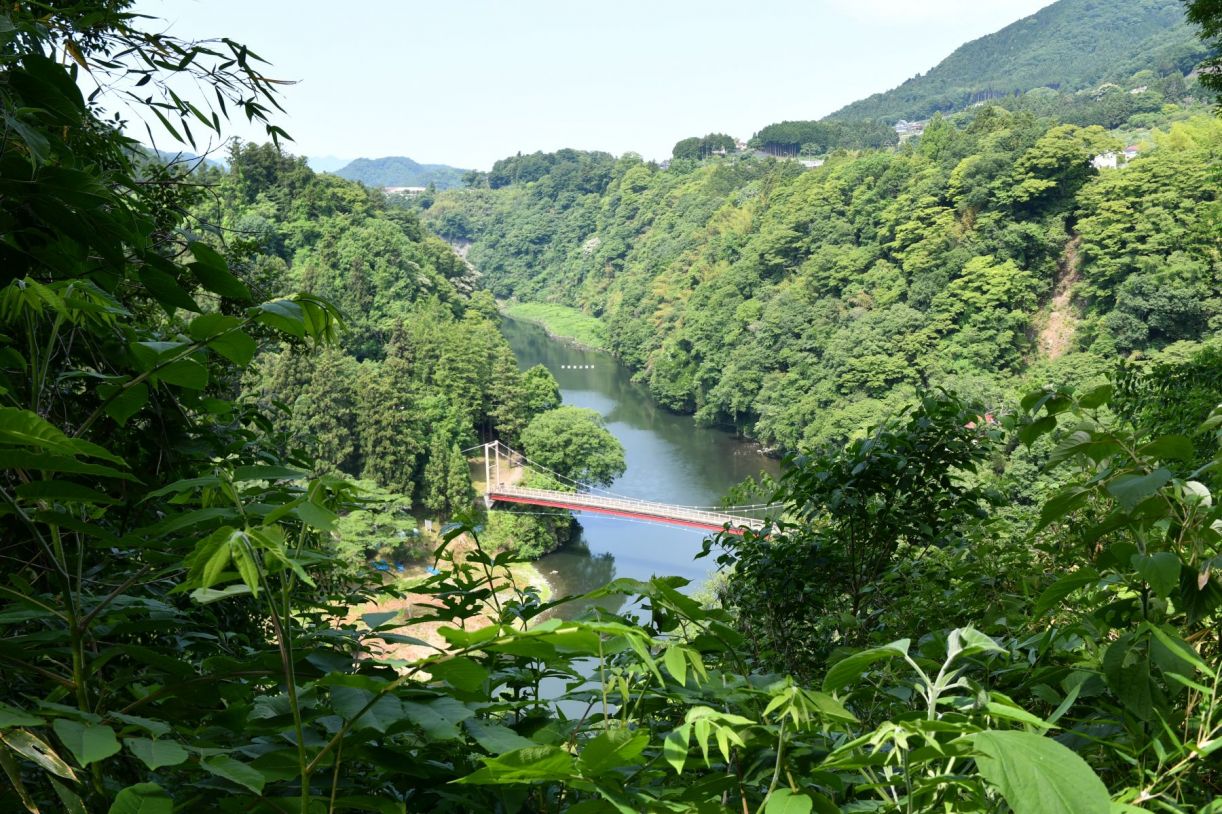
401 171
1070 45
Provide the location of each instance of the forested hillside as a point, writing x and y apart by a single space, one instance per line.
802 305
400 171
1070 45
420 370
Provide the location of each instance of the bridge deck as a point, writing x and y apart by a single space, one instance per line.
622 507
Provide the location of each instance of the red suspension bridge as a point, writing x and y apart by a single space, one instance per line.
504 471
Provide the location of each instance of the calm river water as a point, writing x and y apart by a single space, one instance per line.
669 459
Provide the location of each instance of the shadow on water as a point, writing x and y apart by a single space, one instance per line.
668 457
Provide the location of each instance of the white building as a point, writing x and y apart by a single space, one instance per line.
1105 161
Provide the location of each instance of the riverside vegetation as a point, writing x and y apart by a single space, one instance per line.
963 609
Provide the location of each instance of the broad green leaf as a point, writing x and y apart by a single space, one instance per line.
27 429
610 750
438 718
206 596
1127 669
1177 447
967 641
1037 775
461 672
283 315
1131 489
532 763
784 801
88 743
234 771
376 620
1160 570
675 747
1041 426
248 568
213 273
142 798
128 403
166 290
268 473
1013 713
1097 397
317 516
851 667
1063 587
385 712
154 727
1061 504
42 462
11 717
676 663
207 326
156 753
235 346
495 738
186 373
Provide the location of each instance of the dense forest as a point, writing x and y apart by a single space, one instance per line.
1070 45
800 306
999 599
420 371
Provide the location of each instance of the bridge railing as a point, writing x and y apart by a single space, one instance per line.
643 507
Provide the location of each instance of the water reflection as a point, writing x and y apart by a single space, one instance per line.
669 459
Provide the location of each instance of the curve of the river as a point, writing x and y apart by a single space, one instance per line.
668 458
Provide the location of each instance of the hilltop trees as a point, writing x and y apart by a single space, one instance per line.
696 148
573 442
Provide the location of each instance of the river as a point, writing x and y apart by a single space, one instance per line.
668 458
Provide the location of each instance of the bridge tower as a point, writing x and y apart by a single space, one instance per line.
492 469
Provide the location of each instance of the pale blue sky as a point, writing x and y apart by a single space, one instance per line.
466 82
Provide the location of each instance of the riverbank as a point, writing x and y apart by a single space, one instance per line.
410 604
561 322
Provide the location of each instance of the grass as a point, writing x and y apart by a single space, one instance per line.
562 321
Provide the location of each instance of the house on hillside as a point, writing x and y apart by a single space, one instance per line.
410 192
1105 161
906 128
1131 152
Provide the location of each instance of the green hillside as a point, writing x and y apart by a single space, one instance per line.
799 306
401 171
1070 45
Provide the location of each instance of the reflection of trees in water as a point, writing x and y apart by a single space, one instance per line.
579 572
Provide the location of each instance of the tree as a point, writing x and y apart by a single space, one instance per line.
324 414
1207 15
573 442
850 511
389 424
542 391
447 478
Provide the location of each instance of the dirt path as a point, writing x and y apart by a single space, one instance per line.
1057 334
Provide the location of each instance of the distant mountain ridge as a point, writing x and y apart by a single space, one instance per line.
1069 45
401 171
